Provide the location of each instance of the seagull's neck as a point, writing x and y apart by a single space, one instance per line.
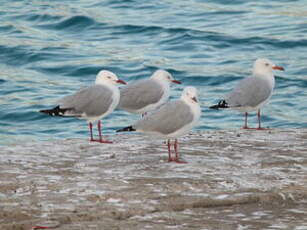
161 81
263 74
194 106
165 85
187 100
106 83
267 77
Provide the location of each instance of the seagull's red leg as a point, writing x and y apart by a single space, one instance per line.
169 150
100 134
99 130
259 121
245 124
90 125
177 160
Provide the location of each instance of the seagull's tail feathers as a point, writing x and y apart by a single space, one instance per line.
221 105
126 129
56 111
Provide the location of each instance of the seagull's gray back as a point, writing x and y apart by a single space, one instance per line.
138 95
168 119
250 91
93 101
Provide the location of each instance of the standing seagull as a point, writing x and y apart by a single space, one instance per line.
148 94
91 103
252 92
172 120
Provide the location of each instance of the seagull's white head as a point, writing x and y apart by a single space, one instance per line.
164 76
107 77
264 67
189 95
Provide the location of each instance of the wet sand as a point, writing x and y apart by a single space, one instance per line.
234 179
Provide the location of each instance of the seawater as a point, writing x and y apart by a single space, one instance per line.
49 49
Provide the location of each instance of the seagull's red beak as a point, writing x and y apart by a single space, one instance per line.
121 82
276 67
194 99
176 82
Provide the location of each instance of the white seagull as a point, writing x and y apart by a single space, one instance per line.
91 103
253 92
172 120
148 94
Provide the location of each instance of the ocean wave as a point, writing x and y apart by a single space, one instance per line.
76 23
50 49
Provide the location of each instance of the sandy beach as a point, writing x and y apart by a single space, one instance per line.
234 179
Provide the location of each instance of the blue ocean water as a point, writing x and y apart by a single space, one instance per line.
49 49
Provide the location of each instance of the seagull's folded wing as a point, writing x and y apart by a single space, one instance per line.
250 91
92 101
168 119
140 94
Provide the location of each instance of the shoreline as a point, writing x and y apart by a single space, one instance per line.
233 178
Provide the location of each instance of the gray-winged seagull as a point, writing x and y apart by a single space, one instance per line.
91 103
172 120
253 92
148 94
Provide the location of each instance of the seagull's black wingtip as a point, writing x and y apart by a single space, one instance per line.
126 129
221 105
56 111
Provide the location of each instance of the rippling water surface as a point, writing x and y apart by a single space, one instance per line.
52 48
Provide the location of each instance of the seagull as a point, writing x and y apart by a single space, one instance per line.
146 95
91 103
172 120
253 92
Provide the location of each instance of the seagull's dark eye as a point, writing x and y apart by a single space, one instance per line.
267 64
109 77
